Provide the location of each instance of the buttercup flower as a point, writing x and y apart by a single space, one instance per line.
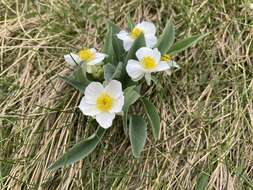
88 56
103 102
149 61
147 28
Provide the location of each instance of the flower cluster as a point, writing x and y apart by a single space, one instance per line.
102 102
111 81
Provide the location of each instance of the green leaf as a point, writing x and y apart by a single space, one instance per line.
153 117
110 72
115 28
184 44
131 96
118 48
202 181
167 38
109 69
130 23
137 134
79 151
118 71
78 79
80 74
77 85
108 47
117 44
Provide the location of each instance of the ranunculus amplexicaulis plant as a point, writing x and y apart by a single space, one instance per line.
111 82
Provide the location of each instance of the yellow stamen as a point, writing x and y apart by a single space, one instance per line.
86 55
166 57
104 102
148 62
136 32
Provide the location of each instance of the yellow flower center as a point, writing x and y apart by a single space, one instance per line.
166 57
136 32
86 55
148 62
104 102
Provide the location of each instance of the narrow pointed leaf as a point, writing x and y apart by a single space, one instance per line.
78 79
153 117
130 23
167 38
80 74
118 48
184 44
118 71
79 151
108 47
109 69
131 96
137 134
77 85
115 28
116 43
112 72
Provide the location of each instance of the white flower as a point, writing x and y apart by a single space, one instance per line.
149 61
167 58
103 102
88 56
251 6
147 28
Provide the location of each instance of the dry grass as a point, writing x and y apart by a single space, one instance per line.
206 107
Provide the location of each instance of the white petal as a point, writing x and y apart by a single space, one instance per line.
72 59
93 50
92 91
114 88
157 55
105 119
144 51
88 109
134 69
173 64
150 40
127 40
161 66
147 27
118 105
123 35
127 43
99 57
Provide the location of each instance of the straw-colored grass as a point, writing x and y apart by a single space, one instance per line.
206 107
